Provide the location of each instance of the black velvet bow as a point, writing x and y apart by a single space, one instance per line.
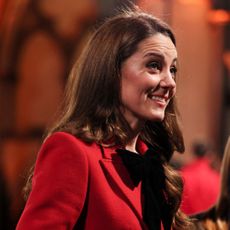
148 168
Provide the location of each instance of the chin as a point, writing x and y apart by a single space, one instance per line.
157 117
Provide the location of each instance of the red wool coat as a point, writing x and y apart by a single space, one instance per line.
81 186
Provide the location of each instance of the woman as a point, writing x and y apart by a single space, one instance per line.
218 217
104 164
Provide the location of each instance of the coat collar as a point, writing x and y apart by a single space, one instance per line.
119 180
110 152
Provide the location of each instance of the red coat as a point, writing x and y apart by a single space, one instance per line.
81 183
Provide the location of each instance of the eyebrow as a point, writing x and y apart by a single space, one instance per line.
159 56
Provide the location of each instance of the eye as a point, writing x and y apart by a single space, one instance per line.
154 65
173 70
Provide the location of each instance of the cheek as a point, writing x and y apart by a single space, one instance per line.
128 91
172 92
130 84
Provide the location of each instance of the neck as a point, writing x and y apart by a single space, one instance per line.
132 144
136 126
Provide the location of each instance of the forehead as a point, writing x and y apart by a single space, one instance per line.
159 43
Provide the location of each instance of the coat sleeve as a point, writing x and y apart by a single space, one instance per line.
59 185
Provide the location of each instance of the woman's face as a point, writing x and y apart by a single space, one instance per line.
148 80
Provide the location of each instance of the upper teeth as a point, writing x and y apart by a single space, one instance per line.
158 98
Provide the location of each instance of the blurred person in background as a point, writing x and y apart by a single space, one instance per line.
201 180
104 163
218 217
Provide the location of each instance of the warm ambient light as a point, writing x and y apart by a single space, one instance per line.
219 17
191 2
226 57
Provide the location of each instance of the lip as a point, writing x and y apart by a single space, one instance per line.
159 99
160 96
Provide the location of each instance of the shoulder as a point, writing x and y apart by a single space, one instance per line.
67 141
61 156
59 184
63 138
61 147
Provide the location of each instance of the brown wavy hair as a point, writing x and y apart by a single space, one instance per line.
223 203
218 216
90 109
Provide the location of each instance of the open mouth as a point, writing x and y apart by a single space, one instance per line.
158 98
162 99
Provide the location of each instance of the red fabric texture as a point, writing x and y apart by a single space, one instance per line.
201 186
81 186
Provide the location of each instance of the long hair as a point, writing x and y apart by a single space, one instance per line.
223 203
218 216
91 107
92 101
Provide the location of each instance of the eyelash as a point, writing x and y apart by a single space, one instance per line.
173 70
155 65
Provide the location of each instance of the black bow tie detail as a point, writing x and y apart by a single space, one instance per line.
149 169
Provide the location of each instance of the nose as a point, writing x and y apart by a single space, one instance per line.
168 80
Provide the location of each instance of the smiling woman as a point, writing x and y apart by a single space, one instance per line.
148 81
117 130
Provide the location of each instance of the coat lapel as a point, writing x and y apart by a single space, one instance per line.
120 181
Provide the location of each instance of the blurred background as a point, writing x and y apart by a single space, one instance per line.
39 42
